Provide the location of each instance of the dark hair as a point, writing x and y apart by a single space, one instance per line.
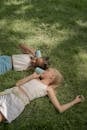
46 63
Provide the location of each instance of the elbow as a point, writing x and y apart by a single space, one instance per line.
61 110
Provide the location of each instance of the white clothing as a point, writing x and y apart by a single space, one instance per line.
11 106
21 61
34 89
13 101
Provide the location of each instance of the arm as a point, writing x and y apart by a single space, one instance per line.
28 78
27 50
56 103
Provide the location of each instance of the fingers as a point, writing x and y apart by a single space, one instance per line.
82 98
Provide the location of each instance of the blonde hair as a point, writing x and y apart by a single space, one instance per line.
58 77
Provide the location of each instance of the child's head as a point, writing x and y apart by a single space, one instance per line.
53 75
40 62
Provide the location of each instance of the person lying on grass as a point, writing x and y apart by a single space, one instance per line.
20 62
14 100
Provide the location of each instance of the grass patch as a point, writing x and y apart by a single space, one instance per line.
59 29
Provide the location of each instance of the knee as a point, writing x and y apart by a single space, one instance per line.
1 118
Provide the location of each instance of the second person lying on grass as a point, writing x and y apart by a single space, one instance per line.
14 100
20 62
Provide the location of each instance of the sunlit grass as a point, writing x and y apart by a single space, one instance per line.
41 34
59 29
82 23
82 65
15 2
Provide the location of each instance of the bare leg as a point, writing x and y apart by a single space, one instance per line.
1 117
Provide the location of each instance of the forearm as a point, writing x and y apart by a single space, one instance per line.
27 49
66 106
26 79
78 99
61 108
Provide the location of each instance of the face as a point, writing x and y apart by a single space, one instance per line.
38 62
33 62
48 74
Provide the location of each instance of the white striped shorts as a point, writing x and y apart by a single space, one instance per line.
11 106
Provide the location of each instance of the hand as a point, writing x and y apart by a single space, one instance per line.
24 48
79 98
35 75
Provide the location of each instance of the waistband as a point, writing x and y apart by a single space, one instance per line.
21 94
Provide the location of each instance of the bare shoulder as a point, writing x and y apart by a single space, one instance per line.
50 91
51 88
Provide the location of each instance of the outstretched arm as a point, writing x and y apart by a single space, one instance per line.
64 107
27 50
28 78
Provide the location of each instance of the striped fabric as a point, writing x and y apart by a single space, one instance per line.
11 106
13 101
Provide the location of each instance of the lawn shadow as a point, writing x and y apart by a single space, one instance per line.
45 12
9 40
66 57
63 55
51 12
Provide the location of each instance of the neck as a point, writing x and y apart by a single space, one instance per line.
46 81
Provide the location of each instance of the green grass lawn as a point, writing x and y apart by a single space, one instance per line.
59 29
